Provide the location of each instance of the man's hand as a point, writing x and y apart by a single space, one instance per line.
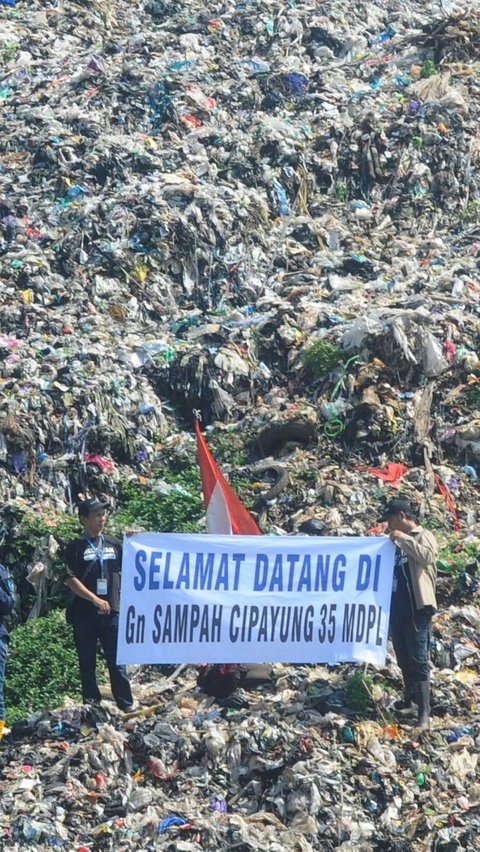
395 535
102 606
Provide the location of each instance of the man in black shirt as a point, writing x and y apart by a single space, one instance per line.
93 574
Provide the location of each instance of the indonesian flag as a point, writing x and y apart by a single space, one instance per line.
226 514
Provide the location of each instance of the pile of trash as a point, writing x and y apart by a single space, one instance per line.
284 761
237 211
268 215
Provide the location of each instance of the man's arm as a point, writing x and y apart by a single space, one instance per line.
76 586
423 553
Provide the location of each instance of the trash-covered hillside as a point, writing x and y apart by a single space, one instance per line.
268 214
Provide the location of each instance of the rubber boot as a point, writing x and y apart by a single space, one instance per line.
422 689
405 705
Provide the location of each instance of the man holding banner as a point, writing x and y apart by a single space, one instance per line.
413 603
93 568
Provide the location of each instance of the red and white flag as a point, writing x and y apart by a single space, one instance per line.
226 514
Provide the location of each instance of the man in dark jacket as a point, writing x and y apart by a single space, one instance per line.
6 606
413 603
93 574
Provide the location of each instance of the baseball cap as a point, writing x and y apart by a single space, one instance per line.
394 507
92 504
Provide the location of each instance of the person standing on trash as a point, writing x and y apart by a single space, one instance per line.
413 603
93 564
6 605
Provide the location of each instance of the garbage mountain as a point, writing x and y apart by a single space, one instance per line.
268 214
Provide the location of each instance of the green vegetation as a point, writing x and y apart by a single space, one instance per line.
471 211
462 561
428 68
455 554
358 692
321 357
341 190
42 666
30 529
28 540
228 448
9 52
431 523
242 485
170 508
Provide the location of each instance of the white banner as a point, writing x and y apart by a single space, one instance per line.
241 599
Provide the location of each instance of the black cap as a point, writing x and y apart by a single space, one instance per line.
93 504
394 507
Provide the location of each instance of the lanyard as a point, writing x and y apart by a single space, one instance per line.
98 551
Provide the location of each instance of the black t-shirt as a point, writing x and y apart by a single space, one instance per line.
402 593
84 563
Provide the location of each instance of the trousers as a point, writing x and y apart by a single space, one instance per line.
3 661
89 628
410 636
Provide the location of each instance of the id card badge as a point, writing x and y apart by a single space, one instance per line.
101 586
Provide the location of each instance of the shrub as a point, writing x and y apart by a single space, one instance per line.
321 357
30 527
177 510
28 539
42 666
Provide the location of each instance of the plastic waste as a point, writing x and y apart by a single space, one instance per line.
283 207
215 210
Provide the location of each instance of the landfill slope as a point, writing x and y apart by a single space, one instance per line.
191 197
268 215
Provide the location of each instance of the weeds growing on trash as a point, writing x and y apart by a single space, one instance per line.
42 666
321 357
33 536
358 691
171 508
229 448
31 529
455 554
